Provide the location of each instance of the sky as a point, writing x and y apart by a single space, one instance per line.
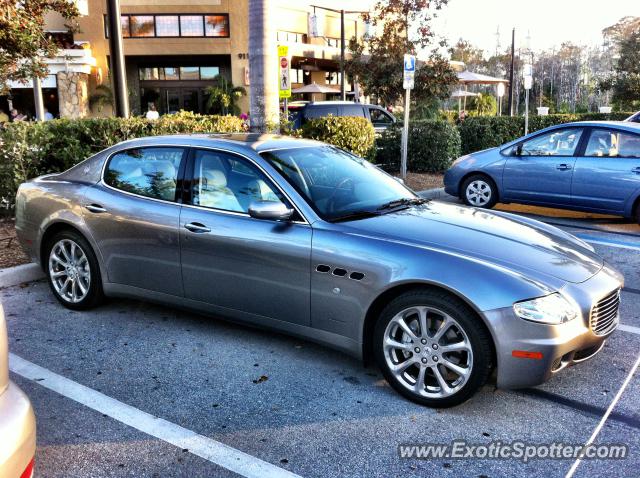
548 22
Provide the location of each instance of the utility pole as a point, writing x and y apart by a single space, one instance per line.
263 69
513 52
116 53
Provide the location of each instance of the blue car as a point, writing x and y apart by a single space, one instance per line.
588 166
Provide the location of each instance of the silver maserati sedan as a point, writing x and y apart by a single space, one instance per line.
300 237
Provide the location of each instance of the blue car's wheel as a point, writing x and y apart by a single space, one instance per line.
479 190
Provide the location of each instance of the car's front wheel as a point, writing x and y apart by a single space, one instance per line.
72 271
432 348
479 191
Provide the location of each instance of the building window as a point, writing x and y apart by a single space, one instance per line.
163 26
189 73
334 42
142 26
167 26
209 72
184 73
291 37
191 26
124 22
216 25
332 77
297 75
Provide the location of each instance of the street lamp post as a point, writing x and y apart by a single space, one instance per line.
116 52
343 93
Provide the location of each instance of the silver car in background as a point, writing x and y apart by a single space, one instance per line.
300 237
17 420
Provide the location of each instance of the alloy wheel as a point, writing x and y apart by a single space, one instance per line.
428 352
478 193
69 271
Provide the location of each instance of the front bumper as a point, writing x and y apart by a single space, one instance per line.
17 431
552 347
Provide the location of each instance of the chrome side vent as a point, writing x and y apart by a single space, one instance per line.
323 268
356 276
339 272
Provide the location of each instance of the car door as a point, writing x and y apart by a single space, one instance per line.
607 175
232 260
539 169
134 218
380 118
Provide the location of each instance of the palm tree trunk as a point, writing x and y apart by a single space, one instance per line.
263 70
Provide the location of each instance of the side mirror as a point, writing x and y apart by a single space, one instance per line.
519 150
273 210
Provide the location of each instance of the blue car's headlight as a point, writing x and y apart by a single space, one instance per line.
550 309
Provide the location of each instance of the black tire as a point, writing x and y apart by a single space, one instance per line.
476 334
636 214
487 191
94 294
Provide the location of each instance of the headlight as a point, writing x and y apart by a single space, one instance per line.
550 309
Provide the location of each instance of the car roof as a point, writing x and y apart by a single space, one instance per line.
624 125
237 141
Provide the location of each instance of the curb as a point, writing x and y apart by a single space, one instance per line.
436 193
19 274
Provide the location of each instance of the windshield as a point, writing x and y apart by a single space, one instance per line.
337 184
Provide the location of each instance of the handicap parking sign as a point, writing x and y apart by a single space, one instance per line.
409 63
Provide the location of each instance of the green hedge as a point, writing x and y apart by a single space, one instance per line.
28 149
347 132
482 132
433 145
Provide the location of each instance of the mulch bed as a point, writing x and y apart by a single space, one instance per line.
11 254
422 181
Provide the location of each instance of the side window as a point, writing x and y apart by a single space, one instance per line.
353 110
312 113
555 143
228 182
611 143
150 172
380 117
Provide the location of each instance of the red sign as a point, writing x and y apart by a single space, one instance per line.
283 62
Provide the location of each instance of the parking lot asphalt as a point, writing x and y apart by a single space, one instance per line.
297 406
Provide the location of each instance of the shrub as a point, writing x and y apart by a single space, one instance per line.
28 150
347 132
433 145
478 133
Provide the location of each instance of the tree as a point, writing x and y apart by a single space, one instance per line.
23 42
625 81
223 96
472 57
377 61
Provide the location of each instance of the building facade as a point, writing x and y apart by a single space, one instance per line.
175 48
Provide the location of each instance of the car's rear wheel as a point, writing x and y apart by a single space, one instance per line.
72 271
636 215
432 348
479 190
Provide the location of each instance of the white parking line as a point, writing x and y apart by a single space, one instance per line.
603 420
629 328
204 447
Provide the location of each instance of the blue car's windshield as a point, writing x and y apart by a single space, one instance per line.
339 185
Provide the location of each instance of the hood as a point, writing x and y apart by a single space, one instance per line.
525 246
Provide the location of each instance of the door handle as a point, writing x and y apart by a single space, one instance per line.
636 170
97 208
563 167
197 227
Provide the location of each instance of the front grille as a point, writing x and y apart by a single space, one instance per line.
604 315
